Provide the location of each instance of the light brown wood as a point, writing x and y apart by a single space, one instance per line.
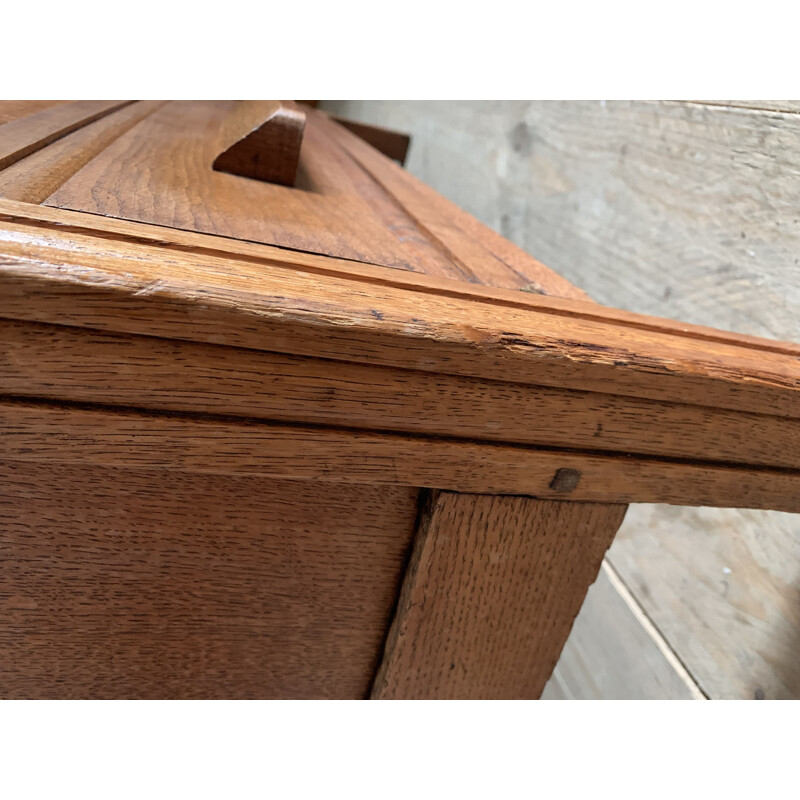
14 109
270 151
44 220
27 134
490 595
140 584
335 209
680 209
82 365
184 323
77 279
135 439
34 178
338 208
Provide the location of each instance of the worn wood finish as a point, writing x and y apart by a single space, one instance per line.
493 626
614 653
173 239
271 150
38 432
682 209
335 209
57 275
138 584
341 209
482 255
332 319
14 109
82 365
24 135
34 178
45 220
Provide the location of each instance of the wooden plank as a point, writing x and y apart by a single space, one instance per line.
58 276
613 653
14 109
490 595
38 432
46 220
27 134
34 178
80 365
137 584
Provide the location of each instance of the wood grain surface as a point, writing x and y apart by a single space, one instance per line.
160 172
686 209
26 134
135 439
55 271
14 109
339 208
490 595
71 278
270 151
34 178
81 365
142 584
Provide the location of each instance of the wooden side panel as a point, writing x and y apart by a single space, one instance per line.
490 595
144 584
161 172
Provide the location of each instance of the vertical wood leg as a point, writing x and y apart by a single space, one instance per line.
490 595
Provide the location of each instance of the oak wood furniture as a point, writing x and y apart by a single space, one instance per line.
335 439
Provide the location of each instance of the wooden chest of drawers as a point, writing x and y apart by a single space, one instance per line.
327 439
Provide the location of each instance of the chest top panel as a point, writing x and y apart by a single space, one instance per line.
152 162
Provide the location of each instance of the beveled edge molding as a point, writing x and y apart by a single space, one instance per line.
138 440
